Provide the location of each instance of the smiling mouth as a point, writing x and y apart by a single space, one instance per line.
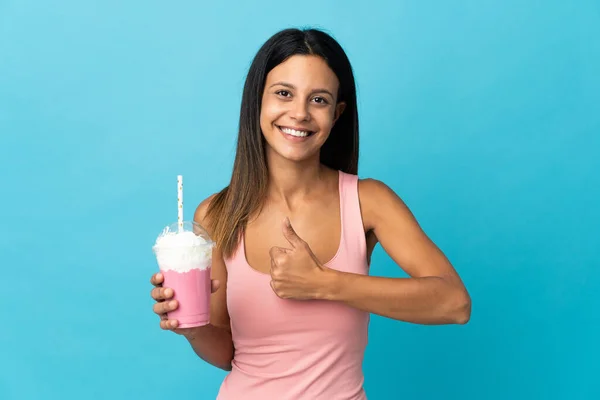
295 132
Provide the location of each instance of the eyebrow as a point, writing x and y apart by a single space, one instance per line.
289 85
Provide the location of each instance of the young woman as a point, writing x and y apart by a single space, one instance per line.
295 230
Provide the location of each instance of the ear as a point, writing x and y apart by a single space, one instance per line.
339 109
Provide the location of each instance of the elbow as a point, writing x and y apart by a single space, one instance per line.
458 307
226 367
462 308
225 364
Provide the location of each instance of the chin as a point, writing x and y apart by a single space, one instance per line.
292 152
296 156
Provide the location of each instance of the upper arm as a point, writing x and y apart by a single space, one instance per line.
219 316
400 234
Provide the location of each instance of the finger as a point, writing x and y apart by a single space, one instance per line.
275 286
275 257
273 251
277 252
165 306
214 285
280 261
156 294
290 234
161 293
157 279
169 324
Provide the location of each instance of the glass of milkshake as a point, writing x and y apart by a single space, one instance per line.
184 253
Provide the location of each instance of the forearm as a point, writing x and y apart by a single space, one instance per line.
428 300
212 344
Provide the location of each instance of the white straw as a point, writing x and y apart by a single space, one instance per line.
180 202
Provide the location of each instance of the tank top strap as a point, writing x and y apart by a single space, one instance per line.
352 223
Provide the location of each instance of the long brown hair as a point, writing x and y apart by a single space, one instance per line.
230 209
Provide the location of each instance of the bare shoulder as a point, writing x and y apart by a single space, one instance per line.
378 202
200 215
372 187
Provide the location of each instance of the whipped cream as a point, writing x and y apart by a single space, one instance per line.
182 251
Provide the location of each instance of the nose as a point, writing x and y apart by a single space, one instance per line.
300 111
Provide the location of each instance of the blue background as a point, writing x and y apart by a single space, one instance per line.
483 116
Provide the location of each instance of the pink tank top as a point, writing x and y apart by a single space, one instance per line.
291 349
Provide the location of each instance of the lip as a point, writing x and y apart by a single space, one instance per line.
292 138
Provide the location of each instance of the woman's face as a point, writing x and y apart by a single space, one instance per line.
299 107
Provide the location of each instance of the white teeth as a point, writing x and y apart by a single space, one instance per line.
294 132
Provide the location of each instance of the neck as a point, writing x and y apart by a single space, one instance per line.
289 180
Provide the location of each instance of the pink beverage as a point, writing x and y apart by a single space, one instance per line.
192 292
184 257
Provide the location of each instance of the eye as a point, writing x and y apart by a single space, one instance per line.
320 100
283 93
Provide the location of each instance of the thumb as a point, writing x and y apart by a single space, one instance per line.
290 234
